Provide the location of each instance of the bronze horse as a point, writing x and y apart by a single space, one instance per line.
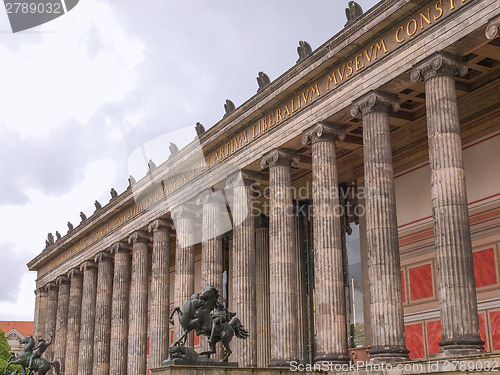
39 365
197 316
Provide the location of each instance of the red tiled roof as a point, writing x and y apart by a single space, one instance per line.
24 328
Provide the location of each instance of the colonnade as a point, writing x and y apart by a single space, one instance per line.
99 311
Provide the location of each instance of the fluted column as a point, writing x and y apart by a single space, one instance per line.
211 247
330 311
159 326
61 321
40 313
102 330
382 228
74 322
50 319
282 258
243 259
184 264
455 269
263 331
119 309
138 304
86 349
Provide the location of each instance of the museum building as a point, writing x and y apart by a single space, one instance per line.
349 209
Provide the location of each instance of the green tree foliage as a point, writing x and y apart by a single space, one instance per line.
5 354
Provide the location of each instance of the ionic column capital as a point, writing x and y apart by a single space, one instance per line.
120 247
63 279
323 131
375 101
75 272
493 29
242 178
439 64
160 225
41 291
207 196
88 264
279 157
184 211
139 236
50 286
103 256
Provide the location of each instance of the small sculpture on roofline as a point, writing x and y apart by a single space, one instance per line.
200 129
229 107
353 12
263 80
304 49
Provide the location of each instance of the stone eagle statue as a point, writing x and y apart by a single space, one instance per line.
200 129
304 49
83 216
263 80
151 165
353 12
131 181
70 227
58 235
97 205
113 193
229 107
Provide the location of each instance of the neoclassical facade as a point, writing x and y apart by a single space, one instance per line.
351 206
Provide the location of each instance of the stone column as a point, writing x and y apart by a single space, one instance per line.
50 320
282 258
243 289
40 313
184 264
102 330
159 327
86 349
211 248
61 321
455 269
119 309
263 331
138 304
330 312
74 320
382 228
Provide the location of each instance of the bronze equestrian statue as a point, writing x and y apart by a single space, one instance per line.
219 326
29 357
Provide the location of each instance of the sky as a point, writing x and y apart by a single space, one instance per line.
79 94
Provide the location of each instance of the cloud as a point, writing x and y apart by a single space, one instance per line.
12 270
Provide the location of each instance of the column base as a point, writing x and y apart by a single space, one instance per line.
332 358
392 353
282 363
459 347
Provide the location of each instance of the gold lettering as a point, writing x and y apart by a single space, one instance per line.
208 161
452 4
278 115
264 125
341 75
440 2
331 78
424 18
315 90
369 56
397 35
293 107
271 120
359 65
216 158
305 96
244 136
414 29
379 47
286 111
349 68
254 133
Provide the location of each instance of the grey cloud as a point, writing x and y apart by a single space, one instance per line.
12 270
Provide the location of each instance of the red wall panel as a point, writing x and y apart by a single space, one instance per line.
484 268
495 330
421 282
414 334
433 336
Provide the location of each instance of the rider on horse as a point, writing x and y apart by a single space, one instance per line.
39 349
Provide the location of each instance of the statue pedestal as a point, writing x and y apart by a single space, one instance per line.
183 356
